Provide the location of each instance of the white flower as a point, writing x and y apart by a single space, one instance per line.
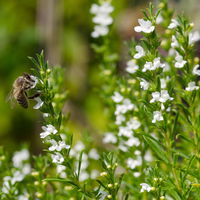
60 168
126 106
39 103
131 67
34 80
79 146
157 116
19 157
173 24
140 52
163 83
125 131
101 18
196 70
179 61
145 187
162 97
45 115
93 154
153 65
99 31
137 152
57 158
119 119
58 146
26 169
83 176
94 174
132 141
174 42
123 148
117 97
148 156
144 84
133 124
136 174
17 177
159 19
49 129
23 197
192 86
194 37
132 164
110 138
145 26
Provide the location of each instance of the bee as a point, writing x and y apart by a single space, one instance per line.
20 87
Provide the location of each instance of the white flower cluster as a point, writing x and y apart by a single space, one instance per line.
102 18
56 146
145 187
22 168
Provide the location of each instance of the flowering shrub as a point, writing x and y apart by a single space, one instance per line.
152 146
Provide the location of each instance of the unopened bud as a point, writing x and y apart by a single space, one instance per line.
36 183
109 196
162 198
110 185
38 194
103 174
153 188
34 173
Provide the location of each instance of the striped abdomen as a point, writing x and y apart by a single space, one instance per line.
22 100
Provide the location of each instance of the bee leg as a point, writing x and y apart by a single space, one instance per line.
34 96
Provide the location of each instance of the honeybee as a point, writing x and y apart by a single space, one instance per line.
20 86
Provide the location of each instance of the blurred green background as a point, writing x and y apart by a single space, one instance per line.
62 28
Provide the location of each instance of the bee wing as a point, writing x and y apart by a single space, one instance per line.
10 99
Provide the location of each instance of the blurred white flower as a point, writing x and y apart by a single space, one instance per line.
173 24
101 18
39 103
194 37
148 156
23 197
174 42
133 124
145 187
93 154
119 119
192 86
45 115
136 174
19 157
163 83
94 174
145 26
117 97
132 141
157 116
159 19
196 70
48 129
83 176
125 131
124 107
144 84
179 61
58 146
79 146
131 67
110 138
57 158
140 52
132 164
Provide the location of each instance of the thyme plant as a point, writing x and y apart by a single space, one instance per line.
152 143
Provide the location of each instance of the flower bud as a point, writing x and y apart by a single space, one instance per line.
103 174
110 185
68 187
196 60
35 173
109 166
109 196
162 198
36 183
44 183
153 188
107 72
2 158
38 194
155 179
161 5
